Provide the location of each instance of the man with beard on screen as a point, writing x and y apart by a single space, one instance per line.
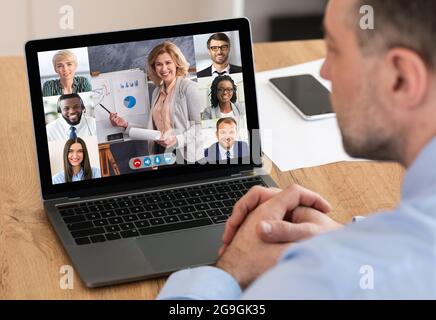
73 122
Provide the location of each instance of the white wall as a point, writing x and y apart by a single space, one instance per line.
13 26
260 11
22 20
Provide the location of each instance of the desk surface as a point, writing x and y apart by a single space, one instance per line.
30 253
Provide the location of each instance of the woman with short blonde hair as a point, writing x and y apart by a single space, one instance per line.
64 55
65 65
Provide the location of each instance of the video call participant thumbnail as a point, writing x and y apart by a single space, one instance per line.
175 104
65 65
227 146
218 46
73 122
223 100
76 163
175 108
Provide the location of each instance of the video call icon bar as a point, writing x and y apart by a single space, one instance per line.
152 161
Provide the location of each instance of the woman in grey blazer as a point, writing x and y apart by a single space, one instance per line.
223 100
175 104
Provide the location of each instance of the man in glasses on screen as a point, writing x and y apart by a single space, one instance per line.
218 46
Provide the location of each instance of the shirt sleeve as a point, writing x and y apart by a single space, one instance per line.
46 88
358 218
306 271
206 283
301 273
86 85
206 114
58 178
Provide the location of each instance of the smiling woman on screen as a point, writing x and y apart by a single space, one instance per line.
65 65
76 163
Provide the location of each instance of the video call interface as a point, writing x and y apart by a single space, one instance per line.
139 106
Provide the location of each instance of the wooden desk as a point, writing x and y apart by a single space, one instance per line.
31 255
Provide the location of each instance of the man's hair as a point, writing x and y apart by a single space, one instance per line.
225 120
400 23
69 96
218 37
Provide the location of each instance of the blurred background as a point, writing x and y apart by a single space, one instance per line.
272 20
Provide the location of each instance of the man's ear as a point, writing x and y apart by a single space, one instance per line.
409 80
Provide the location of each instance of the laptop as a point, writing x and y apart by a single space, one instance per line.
144 144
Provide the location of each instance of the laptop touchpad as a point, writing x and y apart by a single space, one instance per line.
180 249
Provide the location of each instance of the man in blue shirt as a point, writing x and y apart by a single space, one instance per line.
227 147
384 95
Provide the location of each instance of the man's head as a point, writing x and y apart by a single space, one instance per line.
382 79
71 107
226 130
218 46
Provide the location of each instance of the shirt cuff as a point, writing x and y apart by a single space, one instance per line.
206 283
127 130
358 218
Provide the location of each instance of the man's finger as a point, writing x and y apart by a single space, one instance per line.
293 197
306 214
274 231
245 205
222 249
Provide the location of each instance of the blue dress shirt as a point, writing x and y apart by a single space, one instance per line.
60 176
389 255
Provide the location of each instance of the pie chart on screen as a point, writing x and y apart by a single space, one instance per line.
129 102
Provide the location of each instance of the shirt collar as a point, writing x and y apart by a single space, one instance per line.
226 70
67 126
169 88
75 82
79 175
74 86
223 151
233 109
420 178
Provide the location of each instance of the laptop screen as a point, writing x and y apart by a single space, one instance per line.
114 108
126 107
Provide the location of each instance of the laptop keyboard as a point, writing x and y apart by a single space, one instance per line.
154 212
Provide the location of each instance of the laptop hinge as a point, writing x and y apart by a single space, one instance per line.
243 173
73 199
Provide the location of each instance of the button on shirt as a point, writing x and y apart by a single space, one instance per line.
389 255
60 129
